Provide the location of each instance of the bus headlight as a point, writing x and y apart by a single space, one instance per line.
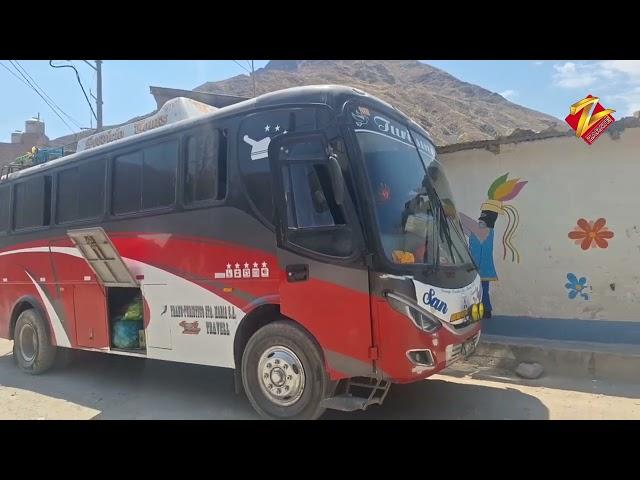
420 318
476 311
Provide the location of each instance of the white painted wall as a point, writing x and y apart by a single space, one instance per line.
568 180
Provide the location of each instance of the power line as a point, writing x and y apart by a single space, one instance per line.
242 66
12 73
251 72
50 99
91 118
40 95
79 83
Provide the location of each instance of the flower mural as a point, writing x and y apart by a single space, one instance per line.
590 234
481 231
577 286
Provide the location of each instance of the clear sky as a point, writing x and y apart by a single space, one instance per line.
547 86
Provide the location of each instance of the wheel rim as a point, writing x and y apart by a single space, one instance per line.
28 343
281 375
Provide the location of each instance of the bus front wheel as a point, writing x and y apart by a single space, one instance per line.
32 348
283 373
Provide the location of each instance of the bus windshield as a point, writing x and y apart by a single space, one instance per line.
417 219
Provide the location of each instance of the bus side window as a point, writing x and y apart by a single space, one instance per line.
254 136
5 209
127 183
145 179
205 170
81 192
314 221
32 203
309 196
159 174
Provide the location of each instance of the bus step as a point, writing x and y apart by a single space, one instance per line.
373 392
347 403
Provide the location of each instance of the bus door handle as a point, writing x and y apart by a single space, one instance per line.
297 273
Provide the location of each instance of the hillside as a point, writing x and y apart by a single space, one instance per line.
453 111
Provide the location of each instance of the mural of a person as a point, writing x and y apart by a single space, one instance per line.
481 232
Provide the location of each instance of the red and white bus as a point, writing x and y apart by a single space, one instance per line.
306 238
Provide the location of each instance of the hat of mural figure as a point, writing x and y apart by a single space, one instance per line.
500 191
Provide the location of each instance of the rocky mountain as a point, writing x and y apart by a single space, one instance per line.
453 111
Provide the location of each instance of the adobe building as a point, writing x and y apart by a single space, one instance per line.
566 249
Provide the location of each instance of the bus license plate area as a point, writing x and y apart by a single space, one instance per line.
468 348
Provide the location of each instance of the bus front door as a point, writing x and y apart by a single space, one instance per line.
324 284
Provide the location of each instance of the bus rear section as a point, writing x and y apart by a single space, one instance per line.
306 239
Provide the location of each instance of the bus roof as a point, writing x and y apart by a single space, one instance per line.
187 111
171 112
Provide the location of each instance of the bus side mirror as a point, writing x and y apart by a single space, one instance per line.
337 180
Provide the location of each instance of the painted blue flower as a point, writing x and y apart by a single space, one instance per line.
576 287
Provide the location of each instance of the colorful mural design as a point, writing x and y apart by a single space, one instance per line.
481 232
577 287
590 234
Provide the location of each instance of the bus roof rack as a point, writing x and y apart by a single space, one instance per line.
173 111
36 156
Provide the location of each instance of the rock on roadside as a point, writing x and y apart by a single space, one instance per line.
529 370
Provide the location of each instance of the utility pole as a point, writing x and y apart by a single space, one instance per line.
98 68
99 92
253 75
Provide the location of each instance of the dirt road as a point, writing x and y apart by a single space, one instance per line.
99 386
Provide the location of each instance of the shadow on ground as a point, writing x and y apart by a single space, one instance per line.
574 384
438 399
134 388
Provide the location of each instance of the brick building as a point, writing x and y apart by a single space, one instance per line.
23 142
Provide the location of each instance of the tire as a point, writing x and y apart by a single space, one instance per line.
32 348
296 352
